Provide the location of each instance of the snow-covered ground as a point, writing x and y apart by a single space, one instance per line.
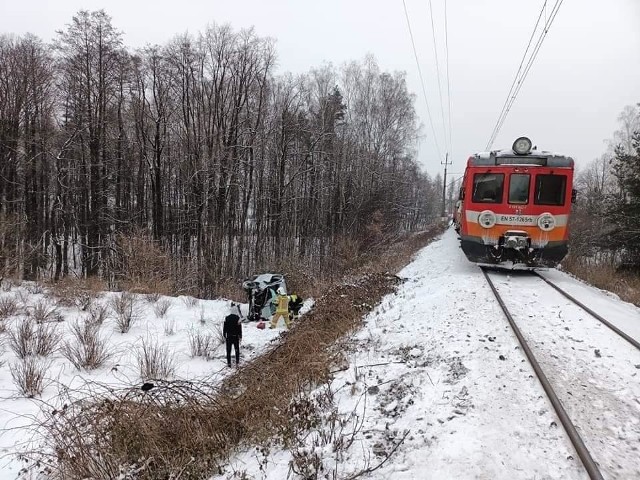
594 371
184 318
622 314
437 371
435 379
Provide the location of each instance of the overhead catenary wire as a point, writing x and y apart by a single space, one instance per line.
517 76
424 90
446 45
521 74
435 53
536 48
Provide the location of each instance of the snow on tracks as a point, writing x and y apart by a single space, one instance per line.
593 370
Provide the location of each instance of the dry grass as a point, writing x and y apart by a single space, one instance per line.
144 266
23 296
162 307
169 326
185 430
28 339
605 276
202 344
155 361
126 310
119 422
87 349
29 375
231 288
97 314
77 292
190 302
44 311
8 307
152 297
7 284
34 288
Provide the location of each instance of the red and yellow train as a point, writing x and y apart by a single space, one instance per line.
513 207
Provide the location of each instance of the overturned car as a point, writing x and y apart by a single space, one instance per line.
261 290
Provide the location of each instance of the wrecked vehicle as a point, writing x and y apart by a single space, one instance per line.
261 290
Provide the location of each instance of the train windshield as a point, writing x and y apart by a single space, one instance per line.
487 187
519 188
550 189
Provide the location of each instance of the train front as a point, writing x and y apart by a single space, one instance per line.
514 207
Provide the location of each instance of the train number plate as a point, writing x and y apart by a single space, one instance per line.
516 219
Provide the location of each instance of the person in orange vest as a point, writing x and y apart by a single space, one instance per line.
282 308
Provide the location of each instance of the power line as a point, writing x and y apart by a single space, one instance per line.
424 90
435 52
446 43
554 12
494 133
519 79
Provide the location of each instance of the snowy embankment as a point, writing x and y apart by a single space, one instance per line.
437 387
173 324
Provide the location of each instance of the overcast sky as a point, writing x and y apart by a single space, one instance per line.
587 70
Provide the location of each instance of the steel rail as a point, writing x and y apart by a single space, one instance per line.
624 335
588 462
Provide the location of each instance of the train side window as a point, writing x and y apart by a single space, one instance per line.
519 188
550 190
487 187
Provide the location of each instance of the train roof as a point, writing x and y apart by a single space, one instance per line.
509 157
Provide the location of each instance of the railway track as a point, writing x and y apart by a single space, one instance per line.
595 315
592 468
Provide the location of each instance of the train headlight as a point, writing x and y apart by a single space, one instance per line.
522 146
546 222
487 219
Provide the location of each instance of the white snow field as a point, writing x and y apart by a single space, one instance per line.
436 386
185 317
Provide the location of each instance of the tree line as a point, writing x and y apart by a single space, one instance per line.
202 151
606 219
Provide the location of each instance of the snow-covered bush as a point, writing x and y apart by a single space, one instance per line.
152 297
202 344
190 302
162 307
97 314
29 375
27 339
8 307
155 361
169 326
126 309
87 349
44 311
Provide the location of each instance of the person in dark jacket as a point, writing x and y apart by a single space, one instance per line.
232 333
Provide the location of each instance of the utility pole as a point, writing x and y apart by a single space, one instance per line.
444 185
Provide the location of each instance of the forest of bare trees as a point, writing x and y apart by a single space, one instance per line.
196 156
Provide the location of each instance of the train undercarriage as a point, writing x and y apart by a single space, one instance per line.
513 251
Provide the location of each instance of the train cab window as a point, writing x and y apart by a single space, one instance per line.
487 187
550 189
519 188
